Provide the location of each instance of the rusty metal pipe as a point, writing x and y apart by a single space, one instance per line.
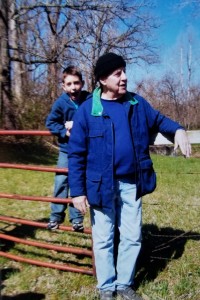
46 264
47 246
25 132
38 224
33 168
35 198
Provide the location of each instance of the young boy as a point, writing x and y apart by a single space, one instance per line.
59 122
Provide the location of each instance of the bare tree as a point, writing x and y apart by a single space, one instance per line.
44 36
80 31
167 95
118 27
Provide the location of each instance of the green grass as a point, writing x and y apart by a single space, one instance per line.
172 230
168 266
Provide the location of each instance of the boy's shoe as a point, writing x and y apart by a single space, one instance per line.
107 295
128 294
78 226
52 225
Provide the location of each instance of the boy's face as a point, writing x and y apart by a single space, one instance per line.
72 85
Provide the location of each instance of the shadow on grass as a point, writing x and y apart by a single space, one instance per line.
6 273
25 296
20 231
160 246
31 151
28 232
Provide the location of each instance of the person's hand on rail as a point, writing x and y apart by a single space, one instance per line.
181 140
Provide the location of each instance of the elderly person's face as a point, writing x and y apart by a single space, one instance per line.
115 84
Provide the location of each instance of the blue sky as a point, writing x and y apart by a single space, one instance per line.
175 22
175 26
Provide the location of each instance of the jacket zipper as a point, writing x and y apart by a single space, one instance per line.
135 154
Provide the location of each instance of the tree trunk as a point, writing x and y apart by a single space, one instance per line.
53 81
6 117
16 83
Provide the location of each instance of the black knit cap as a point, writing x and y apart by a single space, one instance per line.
107 63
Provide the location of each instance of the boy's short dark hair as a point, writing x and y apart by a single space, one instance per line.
71 70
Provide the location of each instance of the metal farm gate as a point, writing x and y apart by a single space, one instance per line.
17 197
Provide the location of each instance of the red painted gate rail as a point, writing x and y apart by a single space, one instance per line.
73 250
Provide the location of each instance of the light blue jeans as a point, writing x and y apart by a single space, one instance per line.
61 190
116 274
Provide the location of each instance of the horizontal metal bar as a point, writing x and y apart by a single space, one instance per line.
25 132
35 198
47 246
38 224
33 168
46 264
158 139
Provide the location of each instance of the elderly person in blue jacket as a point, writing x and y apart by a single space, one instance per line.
110 169
59 122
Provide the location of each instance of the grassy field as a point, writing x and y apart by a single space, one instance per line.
168 267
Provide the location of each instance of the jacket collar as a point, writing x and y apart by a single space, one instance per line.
97 108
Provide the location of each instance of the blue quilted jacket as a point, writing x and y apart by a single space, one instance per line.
91 148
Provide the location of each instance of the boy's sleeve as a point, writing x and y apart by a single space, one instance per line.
55 121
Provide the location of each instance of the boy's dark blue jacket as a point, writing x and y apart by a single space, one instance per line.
91 148
62 110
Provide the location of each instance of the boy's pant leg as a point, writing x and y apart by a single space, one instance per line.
74 214
61 190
